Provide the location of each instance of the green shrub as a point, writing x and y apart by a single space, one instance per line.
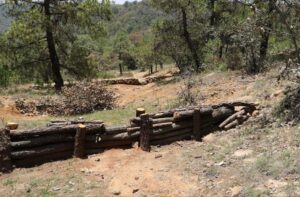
289 107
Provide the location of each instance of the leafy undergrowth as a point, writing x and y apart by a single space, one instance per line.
289 107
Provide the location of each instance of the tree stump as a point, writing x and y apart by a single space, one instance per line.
146 128
5 151
79 147
140 111
196 125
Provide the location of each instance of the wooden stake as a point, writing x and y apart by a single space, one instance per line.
140 111
5 151
146 128
79 147
196 124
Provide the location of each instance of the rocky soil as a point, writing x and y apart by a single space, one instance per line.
261 158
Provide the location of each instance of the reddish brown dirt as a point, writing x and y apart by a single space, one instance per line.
224 164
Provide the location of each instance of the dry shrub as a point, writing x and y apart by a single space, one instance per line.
289 107
75 100
187 96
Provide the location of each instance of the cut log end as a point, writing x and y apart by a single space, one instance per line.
140 111
81 126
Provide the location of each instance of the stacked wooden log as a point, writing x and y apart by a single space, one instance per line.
66 139
5 151
56 142
238 118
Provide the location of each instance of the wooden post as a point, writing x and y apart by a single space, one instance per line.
140 111
196 124
5 151
146 128
79 146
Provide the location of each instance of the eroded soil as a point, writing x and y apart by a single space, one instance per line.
260 159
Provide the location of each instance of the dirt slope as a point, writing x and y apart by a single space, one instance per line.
260 159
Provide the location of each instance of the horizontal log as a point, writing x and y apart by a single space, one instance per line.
158 136
205 112
160 125
240 119
135 135
232 124
169 113
250 106
42 141
58 121
115 130
86 122
232 118
133 129
68 122
42 151
31 162
185 115
173 127
222 113
23 134
170 140
162 120
137 121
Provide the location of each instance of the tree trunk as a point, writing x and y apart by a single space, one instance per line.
213 13
121 69
120 65
264 44
58 80
151 68
189 41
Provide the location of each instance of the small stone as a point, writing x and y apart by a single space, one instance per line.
235 191
117 193
158 156
255 113
136 178
135 145
135 191
98 160
55 189
242 153
222 163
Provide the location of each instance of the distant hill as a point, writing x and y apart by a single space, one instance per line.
4 20
133 17
129 17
